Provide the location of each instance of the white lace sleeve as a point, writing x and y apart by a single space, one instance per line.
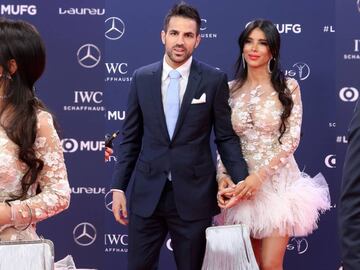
291 138
54 196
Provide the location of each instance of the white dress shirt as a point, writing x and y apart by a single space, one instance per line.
184 71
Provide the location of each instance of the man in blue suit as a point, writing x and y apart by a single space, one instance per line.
173 106
349 208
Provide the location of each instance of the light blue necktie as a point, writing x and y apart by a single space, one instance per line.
172 101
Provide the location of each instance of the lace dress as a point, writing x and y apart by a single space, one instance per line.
289 201
55 192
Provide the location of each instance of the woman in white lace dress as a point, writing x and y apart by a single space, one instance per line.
276 200
33 177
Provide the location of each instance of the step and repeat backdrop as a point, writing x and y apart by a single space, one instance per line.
347 70
93 47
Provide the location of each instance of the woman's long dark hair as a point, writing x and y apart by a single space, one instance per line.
278 79
20 42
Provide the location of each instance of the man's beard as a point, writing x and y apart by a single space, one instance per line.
172 55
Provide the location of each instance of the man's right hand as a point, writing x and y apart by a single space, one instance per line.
119 207
108 152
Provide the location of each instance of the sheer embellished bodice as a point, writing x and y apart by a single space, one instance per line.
52 181
256 118
288 201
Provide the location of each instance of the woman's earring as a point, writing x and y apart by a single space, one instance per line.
243 61
269 65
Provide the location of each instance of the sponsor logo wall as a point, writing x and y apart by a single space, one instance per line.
72 87
347 67
98 45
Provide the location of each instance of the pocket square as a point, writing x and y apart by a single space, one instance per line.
199 100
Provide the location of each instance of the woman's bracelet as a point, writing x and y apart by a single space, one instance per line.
30 216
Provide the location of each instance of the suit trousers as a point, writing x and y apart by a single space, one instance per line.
147 235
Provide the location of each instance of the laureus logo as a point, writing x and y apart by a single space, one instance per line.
298 245
303 70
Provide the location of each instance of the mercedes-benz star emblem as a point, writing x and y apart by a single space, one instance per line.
88 55
84 234
108 201
115 28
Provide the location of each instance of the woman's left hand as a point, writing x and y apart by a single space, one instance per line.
245 190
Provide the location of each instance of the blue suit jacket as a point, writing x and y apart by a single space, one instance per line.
147 151
349 208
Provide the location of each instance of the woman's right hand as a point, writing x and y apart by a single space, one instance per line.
225 189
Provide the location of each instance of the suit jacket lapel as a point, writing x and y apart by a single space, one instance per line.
192 86
155 84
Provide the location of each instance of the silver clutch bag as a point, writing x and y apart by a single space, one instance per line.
27 255
228 247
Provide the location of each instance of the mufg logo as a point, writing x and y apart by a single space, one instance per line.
285 28
116 115
18 10
330 161
71 145
349 94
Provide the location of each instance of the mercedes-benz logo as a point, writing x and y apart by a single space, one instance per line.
108 201
115 28
84 234
304 70
88 55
